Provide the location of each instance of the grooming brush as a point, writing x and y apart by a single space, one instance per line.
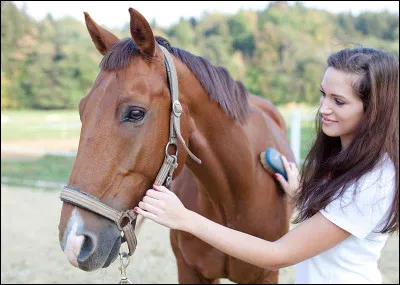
272 162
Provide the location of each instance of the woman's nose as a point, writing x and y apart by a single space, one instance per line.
325 108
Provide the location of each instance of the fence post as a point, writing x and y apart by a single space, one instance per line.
295 133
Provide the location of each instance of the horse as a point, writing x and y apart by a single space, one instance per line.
125 130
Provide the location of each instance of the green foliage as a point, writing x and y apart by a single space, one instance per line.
182 33
241 34
278 53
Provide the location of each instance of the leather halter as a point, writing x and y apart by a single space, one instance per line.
125 219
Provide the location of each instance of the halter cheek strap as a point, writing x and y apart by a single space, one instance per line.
170 161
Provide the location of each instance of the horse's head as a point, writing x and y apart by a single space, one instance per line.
125 129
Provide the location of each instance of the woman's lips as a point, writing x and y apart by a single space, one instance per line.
327 121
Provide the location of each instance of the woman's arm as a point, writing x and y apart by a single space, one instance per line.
310 238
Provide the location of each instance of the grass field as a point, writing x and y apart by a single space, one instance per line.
54 128
46 168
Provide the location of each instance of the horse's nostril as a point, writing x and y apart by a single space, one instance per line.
87 249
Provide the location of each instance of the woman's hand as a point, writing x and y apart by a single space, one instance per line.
292 185
164 207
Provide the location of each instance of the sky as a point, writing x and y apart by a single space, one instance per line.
167 13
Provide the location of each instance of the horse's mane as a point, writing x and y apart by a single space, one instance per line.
230 94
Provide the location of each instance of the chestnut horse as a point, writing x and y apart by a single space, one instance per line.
125 128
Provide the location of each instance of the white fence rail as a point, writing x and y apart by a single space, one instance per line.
295 134
296 119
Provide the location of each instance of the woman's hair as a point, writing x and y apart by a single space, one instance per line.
329 170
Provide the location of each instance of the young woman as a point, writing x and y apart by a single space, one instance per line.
348 194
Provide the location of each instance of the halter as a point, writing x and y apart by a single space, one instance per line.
125 219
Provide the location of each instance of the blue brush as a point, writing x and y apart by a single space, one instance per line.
271 160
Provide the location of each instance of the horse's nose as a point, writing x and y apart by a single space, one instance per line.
80 247
91 244
98 250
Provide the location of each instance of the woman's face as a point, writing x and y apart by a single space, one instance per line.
341 110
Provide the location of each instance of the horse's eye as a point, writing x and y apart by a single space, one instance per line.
135 115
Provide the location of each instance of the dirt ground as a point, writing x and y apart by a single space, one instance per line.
30 252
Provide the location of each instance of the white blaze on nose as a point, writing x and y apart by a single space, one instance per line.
74 242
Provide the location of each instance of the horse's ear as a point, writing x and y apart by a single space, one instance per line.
102 38
142 34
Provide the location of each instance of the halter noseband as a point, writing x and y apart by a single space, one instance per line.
125 219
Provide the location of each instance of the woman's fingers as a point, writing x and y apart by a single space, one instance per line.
146 214
163 189
281 180
154 202
289 166
285 163
156 194
293 166
149 208
160 188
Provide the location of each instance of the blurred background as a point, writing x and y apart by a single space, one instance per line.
278 49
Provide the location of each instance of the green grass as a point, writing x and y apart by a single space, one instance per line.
29 124
46 168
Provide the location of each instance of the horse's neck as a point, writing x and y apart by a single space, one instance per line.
222 145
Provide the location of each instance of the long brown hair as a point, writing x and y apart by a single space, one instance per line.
329 170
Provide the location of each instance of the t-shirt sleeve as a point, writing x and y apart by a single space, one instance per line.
362 212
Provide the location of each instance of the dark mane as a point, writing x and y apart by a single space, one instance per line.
231 95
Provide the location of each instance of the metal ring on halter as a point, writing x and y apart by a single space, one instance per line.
128 214
166 149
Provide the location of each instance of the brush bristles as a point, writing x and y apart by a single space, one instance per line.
265 164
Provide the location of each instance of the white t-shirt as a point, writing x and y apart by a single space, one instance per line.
355 260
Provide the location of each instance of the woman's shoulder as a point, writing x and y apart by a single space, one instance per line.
383 170
381 177
366 202
385 162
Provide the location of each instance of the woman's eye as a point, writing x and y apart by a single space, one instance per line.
322 93
338 102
